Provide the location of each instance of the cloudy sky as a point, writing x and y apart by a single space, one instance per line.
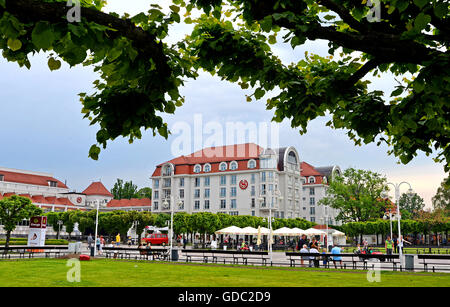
42 129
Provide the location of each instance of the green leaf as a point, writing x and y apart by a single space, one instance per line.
42 35
441 9
397 92
259 93
3 3
14 44
420 3
421 21
54 64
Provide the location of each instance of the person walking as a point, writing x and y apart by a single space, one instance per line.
388 245
394 239
102 243
97 243
90 240
118 239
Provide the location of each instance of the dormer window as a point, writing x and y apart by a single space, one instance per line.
207 168
233 165
2 177
223 166
311 180
252 164
52 184
197 168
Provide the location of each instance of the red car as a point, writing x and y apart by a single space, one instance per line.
156 239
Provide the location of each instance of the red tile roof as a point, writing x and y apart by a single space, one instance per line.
39 199
18 177
97 188
134 202
307 170
240 153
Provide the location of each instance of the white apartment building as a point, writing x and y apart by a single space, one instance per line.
243 179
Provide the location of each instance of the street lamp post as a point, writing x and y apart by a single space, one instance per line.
96 227
261 199
397 197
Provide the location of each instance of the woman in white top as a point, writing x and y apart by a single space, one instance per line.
400 243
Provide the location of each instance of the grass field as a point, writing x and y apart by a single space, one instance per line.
102 273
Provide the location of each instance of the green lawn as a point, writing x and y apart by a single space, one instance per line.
98 273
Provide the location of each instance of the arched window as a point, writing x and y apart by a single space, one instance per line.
207 168
311 180
252 164
233 165
223 166
197 168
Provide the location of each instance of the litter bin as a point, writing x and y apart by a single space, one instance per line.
174 254
409 262
92 251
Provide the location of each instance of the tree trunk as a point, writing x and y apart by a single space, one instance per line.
8 236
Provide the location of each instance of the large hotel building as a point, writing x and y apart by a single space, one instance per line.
243 179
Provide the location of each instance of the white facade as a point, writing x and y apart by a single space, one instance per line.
246 191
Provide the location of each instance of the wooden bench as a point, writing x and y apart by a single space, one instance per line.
425 261
213 255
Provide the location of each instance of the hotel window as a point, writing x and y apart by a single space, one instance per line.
166 193
253 191
233 192
197 205
197 168
311 180
156 194
206 204
233 165
207 168
252 164
253 213
207 181
263 189
253 203
206 193
166 183
233 179
311 191
270 176
181 182
312 201
313 219
253 179
233 204
2 177
223 166
197 182
182 193
155 205
223 180
234 212
312 210
197 193
52 184
223 204
263 176
223 192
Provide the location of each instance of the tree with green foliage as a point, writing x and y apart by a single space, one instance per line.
234 40
357 195
145 193
441 200
411 204
13 210
53 220
126 190
140 220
